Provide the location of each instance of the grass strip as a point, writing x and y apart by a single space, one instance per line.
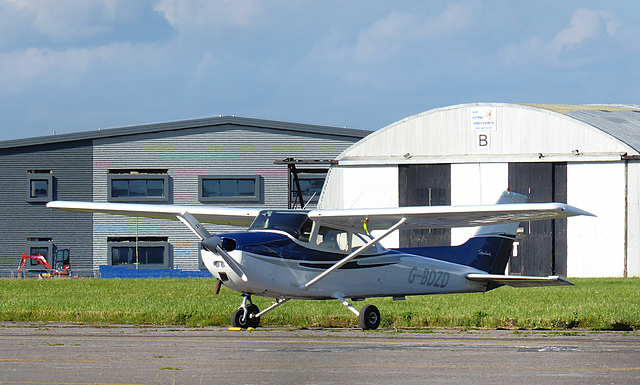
597 304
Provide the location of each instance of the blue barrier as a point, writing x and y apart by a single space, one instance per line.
124 272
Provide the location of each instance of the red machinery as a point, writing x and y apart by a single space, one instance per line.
62 265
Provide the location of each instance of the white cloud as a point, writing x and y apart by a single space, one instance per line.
207 64
197 15
382 53
61 21
21 70
399 30
586 25
24 68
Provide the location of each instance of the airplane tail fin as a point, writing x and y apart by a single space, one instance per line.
494 243
507 197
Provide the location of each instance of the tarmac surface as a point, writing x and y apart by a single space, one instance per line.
71 354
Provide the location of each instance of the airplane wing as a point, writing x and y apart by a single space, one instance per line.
207 214
520 281
423 217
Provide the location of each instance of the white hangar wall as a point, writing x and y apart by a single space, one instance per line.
596 246
480 142
633 219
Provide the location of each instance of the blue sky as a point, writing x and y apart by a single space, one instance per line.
79 65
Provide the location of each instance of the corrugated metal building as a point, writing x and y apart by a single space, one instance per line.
227 161
587 156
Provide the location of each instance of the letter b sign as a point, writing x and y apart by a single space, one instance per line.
483 140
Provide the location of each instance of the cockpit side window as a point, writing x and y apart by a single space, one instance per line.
358 240
305 231
331 238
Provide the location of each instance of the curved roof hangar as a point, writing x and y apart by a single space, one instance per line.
498 132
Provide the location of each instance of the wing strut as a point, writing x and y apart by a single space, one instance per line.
353 255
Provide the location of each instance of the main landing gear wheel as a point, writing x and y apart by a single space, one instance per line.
238 320
369 317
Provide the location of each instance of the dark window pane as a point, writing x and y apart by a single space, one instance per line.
119 188
316 184
44 251
210 187
126 255
152 255
228 187
155 187
123 255
246 187
137 188
39 188
309 188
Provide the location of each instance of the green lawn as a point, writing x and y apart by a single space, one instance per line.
601 304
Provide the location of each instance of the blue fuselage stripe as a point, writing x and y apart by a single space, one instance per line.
479 253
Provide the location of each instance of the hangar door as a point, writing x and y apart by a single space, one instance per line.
424 185
542 245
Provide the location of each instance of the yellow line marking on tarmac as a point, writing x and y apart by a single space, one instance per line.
342 340
379 366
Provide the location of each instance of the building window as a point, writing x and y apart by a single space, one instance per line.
145 254
125 187
42 246
310 186
214 188
39 186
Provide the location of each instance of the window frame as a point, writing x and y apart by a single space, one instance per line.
313 200
35 176
150 266
165 188
256 197
33 244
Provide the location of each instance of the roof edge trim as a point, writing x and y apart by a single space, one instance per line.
185 124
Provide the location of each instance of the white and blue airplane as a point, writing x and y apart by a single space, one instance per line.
336 254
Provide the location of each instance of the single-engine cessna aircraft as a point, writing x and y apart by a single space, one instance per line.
334 254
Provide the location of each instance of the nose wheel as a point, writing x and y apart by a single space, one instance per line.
245 316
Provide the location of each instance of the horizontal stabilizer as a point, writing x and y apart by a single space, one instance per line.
520 281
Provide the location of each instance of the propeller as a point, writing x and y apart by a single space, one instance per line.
216 245
212 243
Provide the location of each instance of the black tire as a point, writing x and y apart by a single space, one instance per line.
250 322
369 317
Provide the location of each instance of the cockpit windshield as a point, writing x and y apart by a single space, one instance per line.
296 223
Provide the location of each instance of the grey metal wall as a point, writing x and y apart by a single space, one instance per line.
424 185
216 150
71 165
